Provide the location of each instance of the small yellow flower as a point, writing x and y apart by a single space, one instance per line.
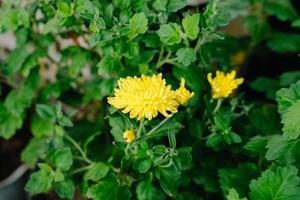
129 136
144 96
223 85
182 94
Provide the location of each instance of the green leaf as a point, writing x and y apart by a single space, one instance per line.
289 78
34 149
190 24
108 64
16 59
160 5
296 23
144 166
167 183
233 195
238 178
41 127
266 85
9 123
18 100
65 189
39 182
286 97
145 191
282 9
62 158
138 25
291 121
281 150
175 5
284 42
256 145
186 56
118 125
279 184
45 111
170 34
97 172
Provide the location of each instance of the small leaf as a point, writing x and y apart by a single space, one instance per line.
65 189
170 34
62 158
97 172
190 24
186 56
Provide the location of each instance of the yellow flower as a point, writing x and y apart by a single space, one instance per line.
144 96
182 94
129 136
223 85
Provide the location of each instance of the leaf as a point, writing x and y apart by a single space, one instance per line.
284 42
238 178
41 127
9 123
175 5
279 184
97 172
62 158
16 59
291 121
170 34
160 5
186 56
289 78
31 153
118 125
286 97
138 25
167 183
45 111
256 145
108 64
190 25
233 195
144 166
281 150
282 9
39 182
65 189
18 100
266 85
145 191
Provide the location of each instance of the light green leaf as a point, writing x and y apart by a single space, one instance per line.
170 34
233 195
41 127
291 121
9 123
39 182
138 25
190 24
34 149
282 9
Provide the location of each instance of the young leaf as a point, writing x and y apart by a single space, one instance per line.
39 182
233 195
190 24
138 25
186 56
170 34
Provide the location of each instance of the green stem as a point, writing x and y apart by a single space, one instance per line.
159 125
76 145
219 103
82 169
139 132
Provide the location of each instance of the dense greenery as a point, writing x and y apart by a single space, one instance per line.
68 58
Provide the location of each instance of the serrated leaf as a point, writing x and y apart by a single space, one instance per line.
138 25
190 24
170 34
233 195
186 56
62 158
97 172
291 121
65 189
279 184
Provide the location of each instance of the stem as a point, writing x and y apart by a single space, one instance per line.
76 145
139 132
198 44
82 169
219 103
159 125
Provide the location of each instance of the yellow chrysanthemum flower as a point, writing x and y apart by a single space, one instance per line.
223 85
182 94
129 136
144 96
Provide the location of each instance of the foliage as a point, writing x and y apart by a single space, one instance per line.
69 57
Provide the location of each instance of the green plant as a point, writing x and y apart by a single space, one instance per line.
204 140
